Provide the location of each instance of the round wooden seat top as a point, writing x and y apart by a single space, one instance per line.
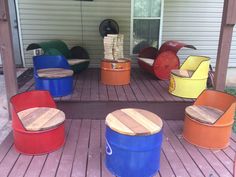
41 118
182 73
134 122
204 114
54 72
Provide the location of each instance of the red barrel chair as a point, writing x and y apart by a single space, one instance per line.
35 142
161 62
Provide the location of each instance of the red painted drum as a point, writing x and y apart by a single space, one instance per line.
41 140
165 62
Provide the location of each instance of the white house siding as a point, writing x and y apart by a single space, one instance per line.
63 19
195 22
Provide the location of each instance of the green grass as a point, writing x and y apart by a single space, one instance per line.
232 90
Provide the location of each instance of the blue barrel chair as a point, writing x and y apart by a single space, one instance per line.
60 85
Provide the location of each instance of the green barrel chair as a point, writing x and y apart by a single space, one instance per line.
77 57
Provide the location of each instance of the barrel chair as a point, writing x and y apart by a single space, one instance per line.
38 127
77 57
191 79
161 62
54 74
208 122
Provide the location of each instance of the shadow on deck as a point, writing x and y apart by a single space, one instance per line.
94 100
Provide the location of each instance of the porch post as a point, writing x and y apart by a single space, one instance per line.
227 25
6 50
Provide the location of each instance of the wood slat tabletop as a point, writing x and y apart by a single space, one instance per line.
134 122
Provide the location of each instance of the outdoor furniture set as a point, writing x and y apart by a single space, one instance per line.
133 136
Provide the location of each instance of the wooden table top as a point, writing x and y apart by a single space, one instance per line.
182 73
205 114
134 122
41 118
54 72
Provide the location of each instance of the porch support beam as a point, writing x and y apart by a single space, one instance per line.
6 51
227 26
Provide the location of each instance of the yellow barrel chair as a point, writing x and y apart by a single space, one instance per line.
190 80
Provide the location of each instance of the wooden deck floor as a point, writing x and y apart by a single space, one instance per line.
83 155
143 88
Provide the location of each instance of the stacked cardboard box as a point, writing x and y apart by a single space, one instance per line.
113 46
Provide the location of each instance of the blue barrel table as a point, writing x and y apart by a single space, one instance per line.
133 143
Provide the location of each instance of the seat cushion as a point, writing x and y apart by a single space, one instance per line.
54 72
149 61
77 61
182 73
41 118
204 114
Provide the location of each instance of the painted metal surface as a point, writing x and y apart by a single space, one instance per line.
211 136
115 73
191 87
165 59
39 142
133 156
56 86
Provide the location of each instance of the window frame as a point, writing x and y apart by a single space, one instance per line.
145 18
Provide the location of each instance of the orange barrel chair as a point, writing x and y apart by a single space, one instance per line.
191 79
208 122
161 62
38 127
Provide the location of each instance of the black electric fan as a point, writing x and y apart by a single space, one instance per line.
108 26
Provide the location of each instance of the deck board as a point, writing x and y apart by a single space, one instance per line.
94 86
20 166
203 165
185 158
211 159
147 82
94 159
140 82
36 166
51 164
81 154
84 152
143 87
67 157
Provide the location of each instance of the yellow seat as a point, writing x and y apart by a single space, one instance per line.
190 80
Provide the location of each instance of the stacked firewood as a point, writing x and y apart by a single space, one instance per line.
113 46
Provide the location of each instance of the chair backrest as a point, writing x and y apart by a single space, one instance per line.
198 64
30 99
46 61
173 46
220 100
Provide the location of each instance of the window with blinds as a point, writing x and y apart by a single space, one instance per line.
146 24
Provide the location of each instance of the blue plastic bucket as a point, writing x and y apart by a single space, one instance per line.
133 156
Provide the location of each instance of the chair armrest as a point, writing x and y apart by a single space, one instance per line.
174 46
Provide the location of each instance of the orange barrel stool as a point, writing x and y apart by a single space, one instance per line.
38 127
208 122
115 72
133 143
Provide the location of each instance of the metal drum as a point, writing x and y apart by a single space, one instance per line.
115 72
133 143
